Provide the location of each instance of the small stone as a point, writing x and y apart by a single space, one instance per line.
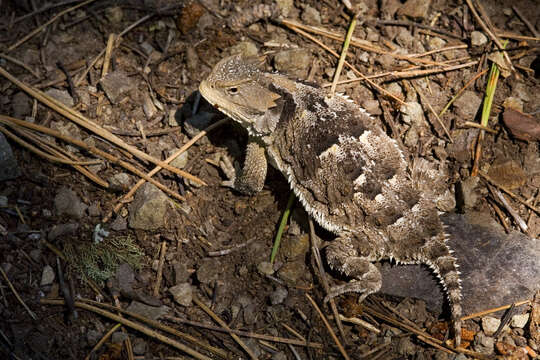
116 84
21 105
519 321
405 38
522 91
411 137
35 254
311 16
151 312
372 107
181 272
278 296
279 356
265 268
47 276
415 9
209 270
285 6
244 48
9 169
406 347
181 160
412 113
490 325
62 229
67 202
119 224
148 209
467 105
93 336
478 38
120 182
114 14
140 347
385 60
94 210
483 344
513 103
61 95
148 106
118 337
182 294
294 61
253 345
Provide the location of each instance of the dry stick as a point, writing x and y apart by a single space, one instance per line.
108 53
417 73
217 319
61 153
102 341
40 28
79 119
328 327
160 268
113 159
133 325
497 194
431 52
346 63
343 55
43 154
509 35
512 195
21 64
490 311
30 312
361 323
479 126
245 333
525 21
157 168
461 91
500 214
491 34
424 99
118 40
317 256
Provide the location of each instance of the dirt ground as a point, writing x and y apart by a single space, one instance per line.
177 258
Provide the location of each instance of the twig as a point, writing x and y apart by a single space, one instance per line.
231 249
40 28
155 170
360 322
500 214
244 333
512 195
9 121
222 323
509 35
21 301
492 310
479 126
346 63
133 325
102 341
519 221
21 64
525 21
343 55
434 51
315 244
425 100
160 268
328 327
79 119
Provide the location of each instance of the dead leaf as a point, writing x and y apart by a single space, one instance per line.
522 126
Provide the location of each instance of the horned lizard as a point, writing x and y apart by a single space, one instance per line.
350 176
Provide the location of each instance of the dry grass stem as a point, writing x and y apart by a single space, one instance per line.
19 299
519 221
21 64
479 126
428 104
512 195
328 327
102 341
360 322
458 94
492 310
159 274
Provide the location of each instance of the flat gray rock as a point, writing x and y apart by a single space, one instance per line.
497 268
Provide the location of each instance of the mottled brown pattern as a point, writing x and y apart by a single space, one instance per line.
349 175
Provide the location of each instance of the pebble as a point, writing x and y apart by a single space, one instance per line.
114 14
9 168
67 202
483 344
151 312
182 294
118 337
116 84
119 224
120 182
490 325
181 272
285 6
140 347
148 209
265 268
61 95
3 201
21 105
278 296
47 276
244 48
62 229
181 160
405 38
413 114
294 61
513 103
311 16
93 336
405 346
467 105
478 38
415 9
519 321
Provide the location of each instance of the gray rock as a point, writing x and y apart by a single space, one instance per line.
294 61
61 95
415 9
35 254
148 209
21 105
285 6
120 182
181 272
522 91
265 268
182 294
478 38
467 105
47 276
411 137
140 347
151 312
490 325
94 210
436 43
93 336
148 106
405 346
181 160
519 321
405 38
244 48
114 14
118 337
311 16
209 270
9 169
67 202
413 114
253 345
119 224
278 296
116 85
62 229
483 344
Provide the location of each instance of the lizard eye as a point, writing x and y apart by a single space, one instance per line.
232 90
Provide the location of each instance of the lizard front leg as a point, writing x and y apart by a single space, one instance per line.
342 256
250 179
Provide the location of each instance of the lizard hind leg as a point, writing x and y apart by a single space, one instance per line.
366 278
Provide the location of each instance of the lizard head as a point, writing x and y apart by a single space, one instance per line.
237 87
